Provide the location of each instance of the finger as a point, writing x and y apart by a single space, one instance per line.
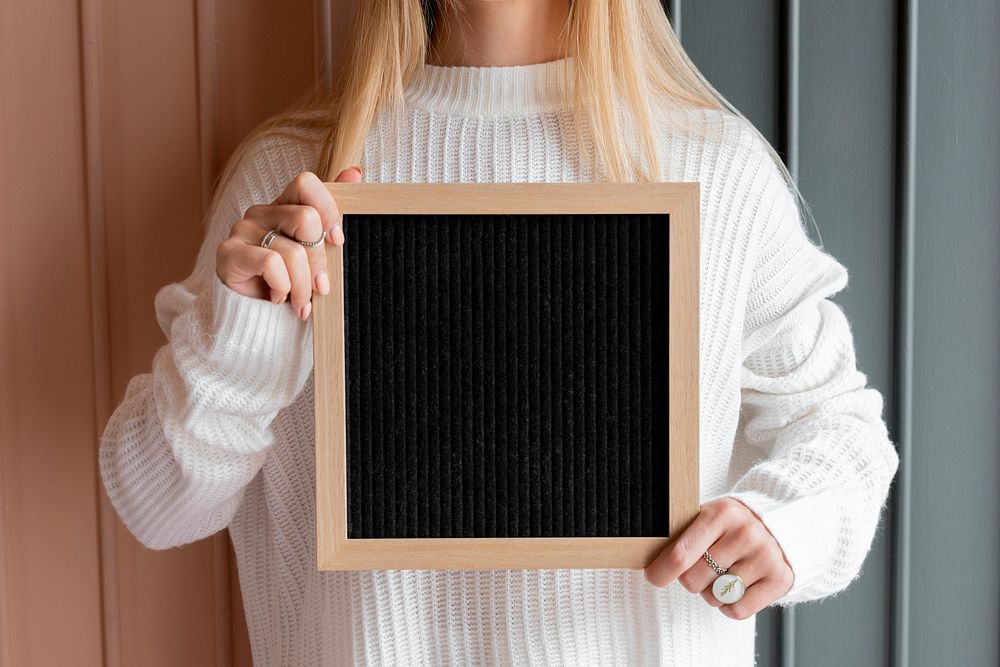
740 550
250 230
298 222
685 550
756 597
252 270
299 272
751 570
349 175
708 597
725 550
275 274
307 189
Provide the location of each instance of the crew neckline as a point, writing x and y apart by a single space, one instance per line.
463 90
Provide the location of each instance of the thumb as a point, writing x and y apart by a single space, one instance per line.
350 175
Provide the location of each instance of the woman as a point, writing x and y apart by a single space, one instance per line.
795 459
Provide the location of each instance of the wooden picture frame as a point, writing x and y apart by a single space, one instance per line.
335 551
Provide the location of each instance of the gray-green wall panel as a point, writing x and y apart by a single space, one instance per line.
737 46
956 459
850 172
847 174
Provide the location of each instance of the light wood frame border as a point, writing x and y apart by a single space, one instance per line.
334 551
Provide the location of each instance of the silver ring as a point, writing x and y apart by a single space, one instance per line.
313 244
269 237
715 566
728 588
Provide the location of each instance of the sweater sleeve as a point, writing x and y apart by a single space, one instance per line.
827 462
186 439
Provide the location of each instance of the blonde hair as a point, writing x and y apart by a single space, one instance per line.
623 50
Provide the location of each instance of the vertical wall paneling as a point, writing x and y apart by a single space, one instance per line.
846 145
153 206
790 88
208 92
738 47
49 491
911 211
266 58
322 40
241 653
7 413
223 611
6 417
902 426
51 539
790 144
674 13
5 607
110 140
7 331
90 41
953 607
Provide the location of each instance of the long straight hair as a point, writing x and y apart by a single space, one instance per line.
621 50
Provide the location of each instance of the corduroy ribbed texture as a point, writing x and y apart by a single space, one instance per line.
220 432
506 375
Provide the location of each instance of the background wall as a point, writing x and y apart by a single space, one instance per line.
115 118
888 114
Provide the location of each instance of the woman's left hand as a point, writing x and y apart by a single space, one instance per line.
738 541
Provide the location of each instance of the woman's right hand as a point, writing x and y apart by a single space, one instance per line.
304 210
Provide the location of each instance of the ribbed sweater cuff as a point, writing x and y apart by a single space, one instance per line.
803 528
254 337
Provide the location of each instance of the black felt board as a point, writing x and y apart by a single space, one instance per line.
506 375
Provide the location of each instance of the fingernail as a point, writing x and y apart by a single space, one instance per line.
322 282
304 312
358 167
338 235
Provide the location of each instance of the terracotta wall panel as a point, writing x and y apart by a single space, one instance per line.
49 559
115 118
153 204
265 60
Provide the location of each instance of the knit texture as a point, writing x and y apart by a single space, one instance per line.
220 432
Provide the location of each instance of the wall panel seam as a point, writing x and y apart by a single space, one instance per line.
906 110
322 40
790 17
675 17
207 94
90 16
5 634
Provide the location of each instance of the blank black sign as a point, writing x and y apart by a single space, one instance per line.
506 375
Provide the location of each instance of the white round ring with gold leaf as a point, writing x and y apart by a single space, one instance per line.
728 588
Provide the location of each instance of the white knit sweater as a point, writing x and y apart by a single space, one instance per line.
220 433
